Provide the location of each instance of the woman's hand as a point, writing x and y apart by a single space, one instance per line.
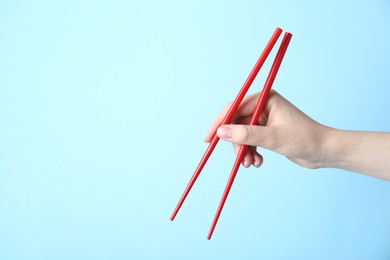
282 128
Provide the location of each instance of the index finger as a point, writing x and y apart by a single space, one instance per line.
245 109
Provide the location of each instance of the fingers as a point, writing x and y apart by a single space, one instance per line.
252 157
258 159
244 111
249 135
216 123
248 157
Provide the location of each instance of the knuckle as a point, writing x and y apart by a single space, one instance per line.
225 109
244 134
227 106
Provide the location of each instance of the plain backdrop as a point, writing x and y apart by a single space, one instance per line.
103 109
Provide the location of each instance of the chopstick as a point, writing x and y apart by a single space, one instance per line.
253 121
244 89
228 118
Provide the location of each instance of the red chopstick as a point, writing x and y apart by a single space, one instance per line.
228 117
254 119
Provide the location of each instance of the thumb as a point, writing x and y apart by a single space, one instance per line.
252 135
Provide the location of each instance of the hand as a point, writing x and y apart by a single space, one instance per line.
282 128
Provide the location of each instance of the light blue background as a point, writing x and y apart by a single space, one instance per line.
103 108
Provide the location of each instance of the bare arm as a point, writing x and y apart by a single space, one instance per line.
362 152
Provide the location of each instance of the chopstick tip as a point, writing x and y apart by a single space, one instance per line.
211 231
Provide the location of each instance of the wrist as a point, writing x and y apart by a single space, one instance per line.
332 147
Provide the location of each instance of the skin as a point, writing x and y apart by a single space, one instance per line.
286 130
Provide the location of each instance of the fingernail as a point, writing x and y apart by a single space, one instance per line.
256 163
246 164
224 132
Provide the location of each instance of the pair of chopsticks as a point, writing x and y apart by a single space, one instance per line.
253 121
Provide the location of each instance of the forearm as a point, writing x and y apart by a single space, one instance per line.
362 152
